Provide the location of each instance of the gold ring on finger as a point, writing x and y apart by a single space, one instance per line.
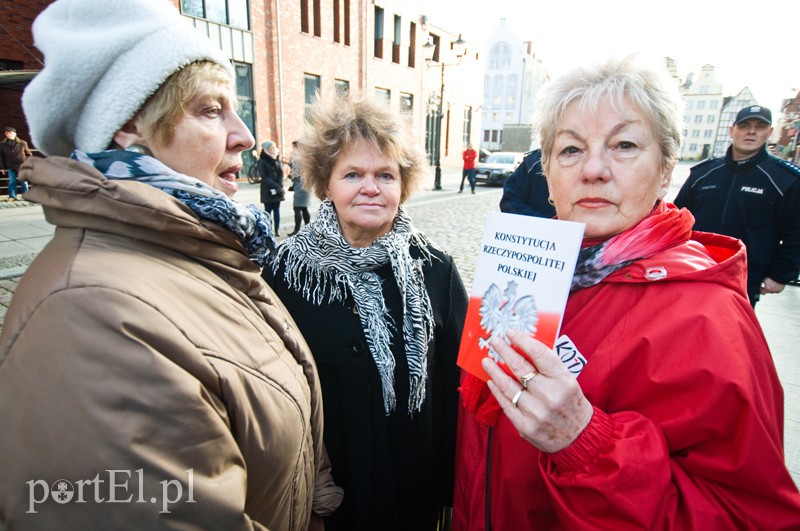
516 397
527 378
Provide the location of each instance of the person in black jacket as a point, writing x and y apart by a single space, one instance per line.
13 152
525 191
754 196
382 309
270 168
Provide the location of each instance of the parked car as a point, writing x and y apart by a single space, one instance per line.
497 167
482 154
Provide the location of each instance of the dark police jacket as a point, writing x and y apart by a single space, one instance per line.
525 191
756 200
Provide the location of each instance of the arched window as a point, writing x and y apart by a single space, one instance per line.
500 56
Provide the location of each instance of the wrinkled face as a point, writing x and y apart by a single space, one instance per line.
11 135
209 139
749 137
365 188
605 169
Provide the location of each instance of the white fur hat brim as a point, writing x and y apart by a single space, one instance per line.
103 60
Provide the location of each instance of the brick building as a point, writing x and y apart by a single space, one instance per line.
285 53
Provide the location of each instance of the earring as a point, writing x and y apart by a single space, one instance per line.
140 149
550 200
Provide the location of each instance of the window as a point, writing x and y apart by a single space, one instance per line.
346 22
231 12
698 119
693 148
337 37
486 133
238 15
713 104
383 95
342 87
704 89
689 104
500 56
707 134
247 108
467 125
311 84
407 107
412 44
696 133
317 19
487 91
511 91
10 64
701 104
494 135
435 41
304 16
710 119
378 32
497 93
215 11
396 42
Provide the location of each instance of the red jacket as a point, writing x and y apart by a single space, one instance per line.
469 157
688 425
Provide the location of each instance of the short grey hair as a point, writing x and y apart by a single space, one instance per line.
652 91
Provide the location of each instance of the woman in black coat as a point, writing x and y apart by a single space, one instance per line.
270 168
382 310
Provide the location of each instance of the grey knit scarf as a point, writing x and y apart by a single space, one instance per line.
322 267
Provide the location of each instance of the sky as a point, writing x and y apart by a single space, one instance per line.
754 44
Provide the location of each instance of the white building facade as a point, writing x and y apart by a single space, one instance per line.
512 78
703 103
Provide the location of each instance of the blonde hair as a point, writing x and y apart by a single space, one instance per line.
160 114
651 91
339 123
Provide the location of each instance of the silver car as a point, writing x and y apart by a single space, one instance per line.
497 167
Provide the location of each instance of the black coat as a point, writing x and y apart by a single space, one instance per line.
525 191
396 470
271 172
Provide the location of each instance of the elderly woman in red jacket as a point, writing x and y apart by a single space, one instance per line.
675 421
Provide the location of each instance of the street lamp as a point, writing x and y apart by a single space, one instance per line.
459 46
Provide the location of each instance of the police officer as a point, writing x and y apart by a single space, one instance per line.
754 196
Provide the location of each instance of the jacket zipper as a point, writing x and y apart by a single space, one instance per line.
728 199
488 480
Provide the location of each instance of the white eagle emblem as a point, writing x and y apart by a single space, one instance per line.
499 312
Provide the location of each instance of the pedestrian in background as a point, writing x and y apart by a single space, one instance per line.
270 168
525 191
676 419
13 152
301 196
382 310
142 347
752 195
469 155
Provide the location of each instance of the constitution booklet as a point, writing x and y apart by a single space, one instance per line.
522 280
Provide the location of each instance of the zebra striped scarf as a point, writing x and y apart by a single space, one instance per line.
321 266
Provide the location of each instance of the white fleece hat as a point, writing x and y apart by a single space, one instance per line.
103 60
